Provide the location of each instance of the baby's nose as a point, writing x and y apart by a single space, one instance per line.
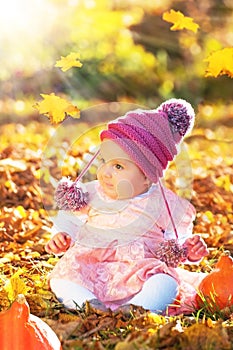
107 170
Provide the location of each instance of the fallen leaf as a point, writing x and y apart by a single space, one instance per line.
15 285
201 336
14 164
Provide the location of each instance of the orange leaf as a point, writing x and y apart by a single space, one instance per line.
56 108
220 63
180 21
71 60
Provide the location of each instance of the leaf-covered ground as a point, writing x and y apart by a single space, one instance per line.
25 228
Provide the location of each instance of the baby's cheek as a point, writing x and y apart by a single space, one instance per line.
124 189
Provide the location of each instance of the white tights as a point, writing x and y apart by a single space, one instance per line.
157 293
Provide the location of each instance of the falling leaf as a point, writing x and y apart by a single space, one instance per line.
180 21
220 63
71 60
56 108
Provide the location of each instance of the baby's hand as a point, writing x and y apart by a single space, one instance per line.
58 244
196 247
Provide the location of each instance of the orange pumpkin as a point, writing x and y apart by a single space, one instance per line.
20 330
217 287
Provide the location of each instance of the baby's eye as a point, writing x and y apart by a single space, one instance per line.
118 166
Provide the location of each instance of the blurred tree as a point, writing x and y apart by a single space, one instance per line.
184 51
129 53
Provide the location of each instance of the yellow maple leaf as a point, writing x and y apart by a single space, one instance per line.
180 21
71 60
56 108
220 63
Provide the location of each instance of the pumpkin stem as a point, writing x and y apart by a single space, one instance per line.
226 253
20 299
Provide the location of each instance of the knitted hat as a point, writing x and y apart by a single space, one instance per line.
151 137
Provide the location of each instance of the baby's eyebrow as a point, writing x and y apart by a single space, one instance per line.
115 160
120 160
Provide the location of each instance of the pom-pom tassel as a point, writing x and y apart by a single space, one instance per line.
72 195
171 252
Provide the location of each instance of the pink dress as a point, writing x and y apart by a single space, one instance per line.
113 243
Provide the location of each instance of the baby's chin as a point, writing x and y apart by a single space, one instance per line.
108 191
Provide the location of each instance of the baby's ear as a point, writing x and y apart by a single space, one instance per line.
147 182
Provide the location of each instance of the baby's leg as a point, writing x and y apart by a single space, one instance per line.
69 293
157 293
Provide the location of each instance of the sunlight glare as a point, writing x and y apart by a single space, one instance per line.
25 17
24 27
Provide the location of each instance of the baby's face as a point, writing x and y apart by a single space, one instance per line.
118 175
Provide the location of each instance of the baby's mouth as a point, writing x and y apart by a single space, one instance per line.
108 184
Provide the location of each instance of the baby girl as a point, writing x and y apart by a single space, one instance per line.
125 245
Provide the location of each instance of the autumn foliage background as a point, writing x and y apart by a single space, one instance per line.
123 53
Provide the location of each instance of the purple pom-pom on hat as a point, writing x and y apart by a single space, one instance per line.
180 115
